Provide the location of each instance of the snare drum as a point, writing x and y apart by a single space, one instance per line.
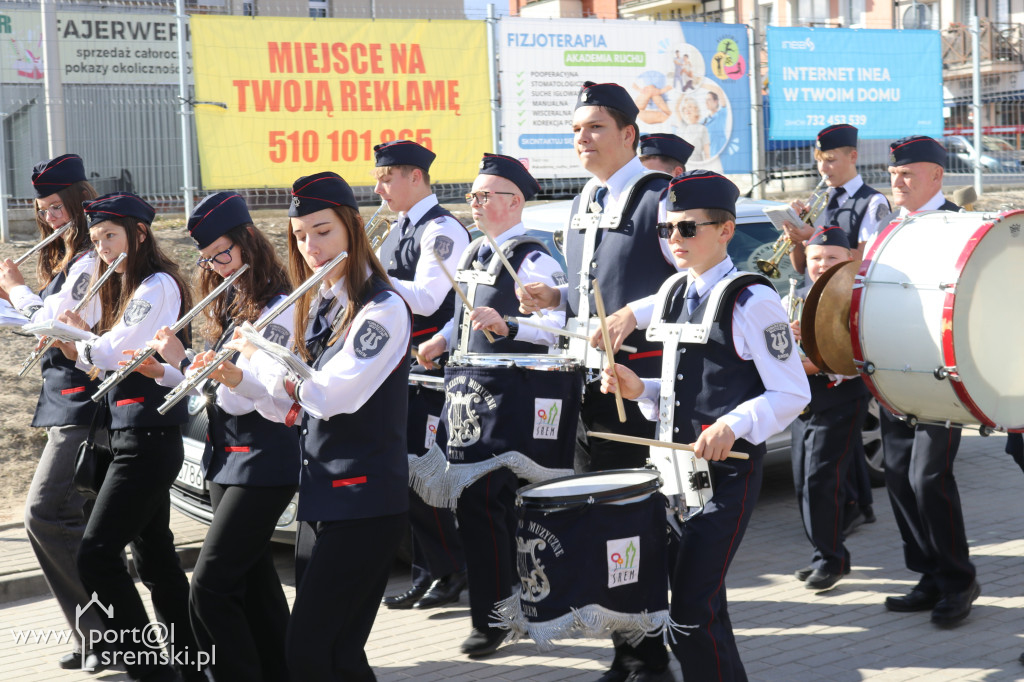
591 556
426 401
496 404
934 320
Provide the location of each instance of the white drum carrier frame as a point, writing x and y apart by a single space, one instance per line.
691 477
590 218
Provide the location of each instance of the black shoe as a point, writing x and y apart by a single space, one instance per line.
802 573
443 591
614 675
822 579
954 607
869 514
917 600
854 519
648 675
407 598
480 644
73 661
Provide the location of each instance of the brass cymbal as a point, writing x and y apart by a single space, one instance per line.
809 339
832 323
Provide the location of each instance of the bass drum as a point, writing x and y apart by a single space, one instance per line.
935 321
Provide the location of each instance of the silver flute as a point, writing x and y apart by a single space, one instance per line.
140 357
185 387
49 238
46 343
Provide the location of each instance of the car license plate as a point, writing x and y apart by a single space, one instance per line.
191 476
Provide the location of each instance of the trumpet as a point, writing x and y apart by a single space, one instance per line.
56 234
378 227
116 378
796 303
783 245
46 344
181 390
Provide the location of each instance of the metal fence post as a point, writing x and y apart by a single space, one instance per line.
186 109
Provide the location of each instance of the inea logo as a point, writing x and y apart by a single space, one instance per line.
805 44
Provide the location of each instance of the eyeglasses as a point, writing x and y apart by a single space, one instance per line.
687 228
222 258
55 210
482 197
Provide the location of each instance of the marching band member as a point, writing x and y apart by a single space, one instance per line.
853 205
354 476
423 228
731 393
55 513
237 604
486 509
826 438
625 255
133 505
665 152
919 459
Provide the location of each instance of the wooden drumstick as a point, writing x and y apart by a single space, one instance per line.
508 266
465 301
636 440
562 332
608 354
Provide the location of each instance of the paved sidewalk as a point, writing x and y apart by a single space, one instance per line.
785 632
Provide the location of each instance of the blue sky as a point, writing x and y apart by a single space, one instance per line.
477 9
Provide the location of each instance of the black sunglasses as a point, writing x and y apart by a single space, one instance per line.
687 228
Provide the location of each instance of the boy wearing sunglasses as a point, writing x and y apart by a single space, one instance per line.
730 393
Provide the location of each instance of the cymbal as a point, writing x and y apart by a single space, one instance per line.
832 321
807 330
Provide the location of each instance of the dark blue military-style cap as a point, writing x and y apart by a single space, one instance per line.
702 189
611 95
312 193
510 169
403 153
916 148
50 177
215 216
839 135
829 236
666 144
118 205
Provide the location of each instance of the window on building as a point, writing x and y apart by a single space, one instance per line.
318 9
812 12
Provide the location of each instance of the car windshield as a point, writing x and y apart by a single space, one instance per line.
996 144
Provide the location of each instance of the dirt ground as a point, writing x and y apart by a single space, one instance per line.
20 444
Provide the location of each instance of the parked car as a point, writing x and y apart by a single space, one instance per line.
997 155
753 241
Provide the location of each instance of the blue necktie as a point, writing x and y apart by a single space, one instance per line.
600 195
484 254
316 333
833 207
403 225
692 300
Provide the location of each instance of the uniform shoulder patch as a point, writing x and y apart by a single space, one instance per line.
81 286
533 256
881 211
743 297
276 333
380 297
370 339
444 246
136 311
559 278
778 341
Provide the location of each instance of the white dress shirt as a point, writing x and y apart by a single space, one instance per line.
24 299
786 389
428 288
159 297
543 269
347 381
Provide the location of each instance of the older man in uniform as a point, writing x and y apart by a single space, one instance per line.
424 228
486 509
919 459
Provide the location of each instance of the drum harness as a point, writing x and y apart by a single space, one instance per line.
696 488
591 218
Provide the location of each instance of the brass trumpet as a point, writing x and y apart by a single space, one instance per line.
796 303
378 227
783 245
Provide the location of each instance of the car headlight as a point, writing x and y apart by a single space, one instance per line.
288 515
